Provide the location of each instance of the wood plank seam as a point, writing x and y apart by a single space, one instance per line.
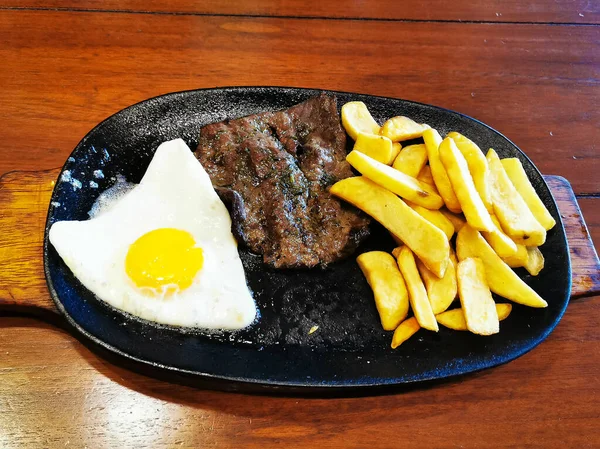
588 195
293 17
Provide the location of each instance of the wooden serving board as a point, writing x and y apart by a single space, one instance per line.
24 199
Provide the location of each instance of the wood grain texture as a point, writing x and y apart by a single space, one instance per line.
24 199
56 393
63 72
585 265
563 11
591 211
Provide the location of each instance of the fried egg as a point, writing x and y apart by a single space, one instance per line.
164 250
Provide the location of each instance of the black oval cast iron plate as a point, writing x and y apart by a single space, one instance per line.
349 349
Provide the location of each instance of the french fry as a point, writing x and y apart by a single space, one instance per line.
356 118
457 220
396 148
423 194
427 241
436 218
387 283
516 173
416 290
518 259
455 319
476 298
478 167
426 176
501 279
376 147
402 128
440 291
535 260
464 188
411 160
404 331
510 208
395 181
502 244
503 310
432 142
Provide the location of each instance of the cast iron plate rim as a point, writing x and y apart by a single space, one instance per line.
306 385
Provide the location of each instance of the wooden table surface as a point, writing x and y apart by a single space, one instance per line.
530 69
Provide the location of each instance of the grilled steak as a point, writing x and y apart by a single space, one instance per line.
274 170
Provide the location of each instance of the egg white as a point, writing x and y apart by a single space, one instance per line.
175 192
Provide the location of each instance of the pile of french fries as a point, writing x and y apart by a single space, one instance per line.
424 194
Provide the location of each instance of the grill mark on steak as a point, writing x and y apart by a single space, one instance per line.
273 170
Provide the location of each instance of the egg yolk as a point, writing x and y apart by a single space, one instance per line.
165 257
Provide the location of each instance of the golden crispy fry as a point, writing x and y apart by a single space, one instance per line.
426 176
440 291
500 277
427 241
416 290
432 142
535 260
402 128
519 178
510 208
518 259
457 220
396 148
503 310
478 167
376 147
387 283
463 186
436 218
404 331
502 244
356 118
411 160
455 318
476 298
395 181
